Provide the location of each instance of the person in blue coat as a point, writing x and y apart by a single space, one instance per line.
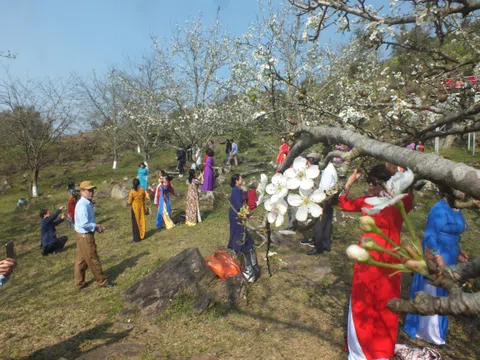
51 243
445 224
142 175
239 239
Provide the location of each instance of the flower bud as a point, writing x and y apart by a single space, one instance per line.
367 224
357 254
369 244
419 266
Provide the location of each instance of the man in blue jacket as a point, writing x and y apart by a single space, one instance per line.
50 242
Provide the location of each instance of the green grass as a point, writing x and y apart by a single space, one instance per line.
288 316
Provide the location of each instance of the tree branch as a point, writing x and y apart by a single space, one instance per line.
426 166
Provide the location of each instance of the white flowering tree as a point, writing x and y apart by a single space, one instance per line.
397 66
143 105
275 67
104 99
191 67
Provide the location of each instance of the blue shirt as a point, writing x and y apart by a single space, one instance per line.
234 149
3 279
84 216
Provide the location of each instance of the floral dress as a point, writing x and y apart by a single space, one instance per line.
193 208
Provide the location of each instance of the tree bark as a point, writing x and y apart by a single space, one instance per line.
425 166
35 183
456 303
115 156
145 154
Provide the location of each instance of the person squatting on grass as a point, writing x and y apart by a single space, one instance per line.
85 226
51 243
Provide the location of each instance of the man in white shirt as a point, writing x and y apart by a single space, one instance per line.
234 153
322 230
85 227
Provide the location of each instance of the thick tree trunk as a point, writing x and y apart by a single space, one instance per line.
115 158
35 183
456 303
145 154
425 166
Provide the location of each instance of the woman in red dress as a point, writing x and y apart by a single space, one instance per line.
372 327
282 151
72 201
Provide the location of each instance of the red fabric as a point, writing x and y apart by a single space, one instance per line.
171 189
252 199
71 207
282 153
421 148
205 159
372 287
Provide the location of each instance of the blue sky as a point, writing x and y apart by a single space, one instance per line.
57 37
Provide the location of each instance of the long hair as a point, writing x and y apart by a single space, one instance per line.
234 179
448 194
209 152
191 175
136 184
169 179
378 174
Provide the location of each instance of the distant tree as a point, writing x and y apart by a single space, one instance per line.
142 107
105 99
190 66
38 114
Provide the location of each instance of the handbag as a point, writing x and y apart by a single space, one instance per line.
223 264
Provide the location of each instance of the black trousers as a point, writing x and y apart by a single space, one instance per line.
56 246
180 166
136 231
322 230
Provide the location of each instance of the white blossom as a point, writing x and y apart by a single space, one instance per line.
307 203
301 175
276 211
395 187
277 188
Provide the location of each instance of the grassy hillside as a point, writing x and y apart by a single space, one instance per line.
299 313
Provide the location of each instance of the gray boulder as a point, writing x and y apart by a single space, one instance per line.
221 180
5 186
119 192
206 201
186 271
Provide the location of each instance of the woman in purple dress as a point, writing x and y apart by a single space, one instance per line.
208 175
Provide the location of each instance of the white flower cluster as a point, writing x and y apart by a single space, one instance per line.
299 177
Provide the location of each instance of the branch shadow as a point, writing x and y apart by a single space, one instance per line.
72 348
113 272
150 233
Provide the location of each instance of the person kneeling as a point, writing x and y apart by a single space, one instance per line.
50 242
